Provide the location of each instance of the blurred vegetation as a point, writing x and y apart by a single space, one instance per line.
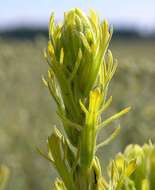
4 175
28 112
137 164
144 175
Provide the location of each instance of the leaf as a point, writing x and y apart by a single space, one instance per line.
95 99
109 139
131 168
114 117
105 106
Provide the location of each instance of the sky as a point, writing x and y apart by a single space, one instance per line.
139 14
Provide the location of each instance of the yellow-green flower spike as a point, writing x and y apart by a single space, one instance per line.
80 69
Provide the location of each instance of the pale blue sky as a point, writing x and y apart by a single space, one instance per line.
133 13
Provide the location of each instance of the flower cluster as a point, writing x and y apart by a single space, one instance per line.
80 70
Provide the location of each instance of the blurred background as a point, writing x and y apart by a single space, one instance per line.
27 111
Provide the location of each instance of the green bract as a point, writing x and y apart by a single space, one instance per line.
80 70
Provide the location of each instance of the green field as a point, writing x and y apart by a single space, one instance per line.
27 111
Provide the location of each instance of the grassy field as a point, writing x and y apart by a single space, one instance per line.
27 112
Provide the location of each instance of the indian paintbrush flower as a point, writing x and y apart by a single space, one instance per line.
133 169
80 70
